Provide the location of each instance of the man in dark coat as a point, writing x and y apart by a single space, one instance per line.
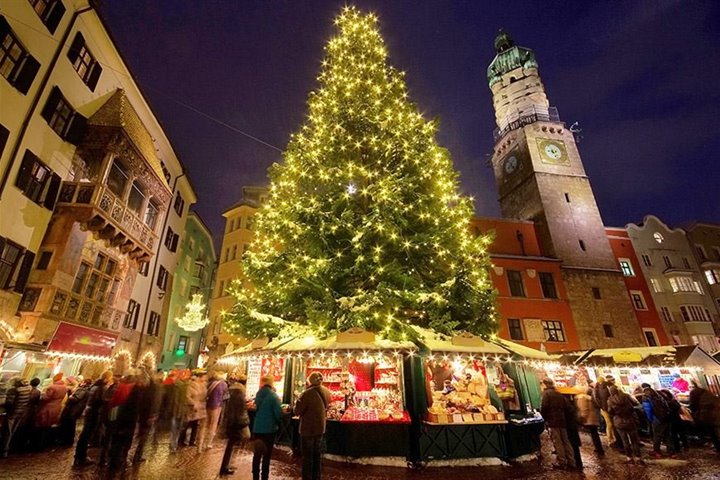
311 407
237 421
554 410
93 417
17 403
151 398
74 408
705 408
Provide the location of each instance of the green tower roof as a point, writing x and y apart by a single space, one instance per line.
509 57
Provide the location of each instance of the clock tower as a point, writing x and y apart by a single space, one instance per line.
540 177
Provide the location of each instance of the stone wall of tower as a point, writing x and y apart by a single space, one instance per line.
613 308
519 91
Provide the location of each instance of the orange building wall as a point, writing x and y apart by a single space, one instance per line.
507 252
622 248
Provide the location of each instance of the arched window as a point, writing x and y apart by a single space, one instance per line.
117 178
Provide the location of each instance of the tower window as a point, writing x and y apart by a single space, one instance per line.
596 293
567 197
582 245
608 329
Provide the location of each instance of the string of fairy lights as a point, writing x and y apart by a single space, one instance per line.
364 226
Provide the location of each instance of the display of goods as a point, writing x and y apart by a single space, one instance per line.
374 415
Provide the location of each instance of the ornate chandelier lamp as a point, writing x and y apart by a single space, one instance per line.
194 318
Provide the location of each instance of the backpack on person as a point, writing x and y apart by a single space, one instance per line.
661 410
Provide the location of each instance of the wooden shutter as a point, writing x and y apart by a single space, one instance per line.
74 50
75 129
52 192
24 273
4 27
27 73
4 134
53 17
23 177
51 104
94 75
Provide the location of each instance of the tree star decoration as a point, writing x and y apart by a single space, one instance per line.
194 318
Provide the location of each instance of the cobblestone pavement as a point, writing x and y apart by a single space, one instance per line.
699 463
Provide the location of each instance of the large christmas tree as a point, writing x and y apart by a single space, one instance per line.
364 226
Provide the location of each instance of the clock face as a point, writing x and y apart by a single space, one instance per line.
553 152
510 164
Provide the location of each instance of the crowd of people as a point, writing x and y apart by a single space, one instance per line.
118 413
623 417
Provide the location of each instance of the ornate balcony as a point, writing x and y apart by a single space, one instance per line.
101 211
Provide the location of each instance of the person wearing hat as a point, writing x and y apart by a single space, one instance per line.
266 425
601 394
236 420
311 407
554 409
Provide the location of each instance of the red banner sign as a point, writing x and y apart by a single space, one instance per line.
71 338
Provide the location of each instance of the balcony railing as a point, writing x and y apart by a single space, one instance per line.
100 199
526 117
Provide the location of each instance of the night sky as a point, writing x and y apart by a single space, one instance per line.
641 78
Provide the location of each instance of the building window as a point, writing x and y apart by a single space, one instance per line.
166 172
17 66
234 252
44 260
249 223
684 284
179 205
144 268
646 260
182 345
666 315
171 240
38 182
700 250
656 284
133 314
667 261
63 118
162 278
596 293
517 289
608 330
553 331
136 199
221 288
153 327
658 237
694 313
638 300
712 276
80 277
567 197
49 11
83 62
227 254
10 257
686 263
199 270
117 179
548 285
4 134
626 267
650 337
715 249
515 328
152 212
582 245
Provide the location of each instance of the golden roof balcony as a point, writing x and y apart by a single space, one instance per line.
99 210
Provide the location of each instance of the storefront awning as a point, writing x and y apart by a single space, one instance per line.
81 341
670 355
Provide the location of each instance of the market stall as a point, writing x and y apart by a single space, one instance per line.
367 416
475 405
